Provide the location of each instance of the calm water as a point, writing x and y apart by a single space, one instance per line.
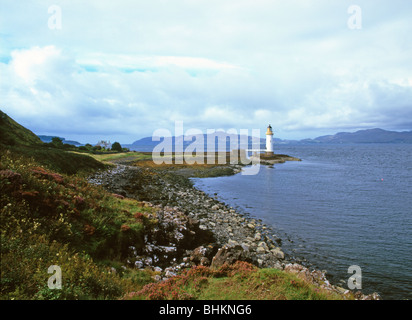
342 205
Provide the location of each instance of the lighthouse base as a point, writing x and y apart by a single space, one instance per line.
269 154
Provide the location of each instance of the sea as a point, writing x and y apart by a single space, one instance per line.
341 206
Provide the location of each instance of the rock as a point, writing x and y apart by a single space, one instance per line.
204 261
232 242
257 237
202 255
263 245
170 274
372 296
251 226
260 250
250 239
278 253
245 246
341 290
230 254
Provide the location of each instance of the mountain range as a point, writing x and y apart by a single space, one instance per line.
362 136
365 136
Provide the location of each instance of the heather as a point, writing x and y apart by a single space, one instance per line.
238 281
50 218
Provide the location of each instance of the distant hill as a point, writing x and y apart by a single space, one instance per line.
366 136
48 139
12 133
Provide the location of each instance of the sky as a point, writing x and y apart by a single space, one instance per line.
120 70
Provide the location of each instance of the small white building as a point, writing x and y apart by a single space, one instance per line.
269 141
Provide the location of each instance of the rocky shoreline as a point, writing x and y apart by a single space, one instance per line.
195 229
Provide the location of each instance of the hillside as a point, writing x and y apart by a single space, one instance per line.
21 141
12 133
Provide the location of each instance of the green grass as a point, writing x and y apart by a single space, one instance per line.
264 284
49 218
241 281
57 160
12 133
132 156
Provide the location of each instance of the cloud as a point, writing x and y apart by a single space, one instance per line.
126 70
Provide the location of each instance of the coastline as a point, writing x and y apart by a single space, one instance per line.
196 229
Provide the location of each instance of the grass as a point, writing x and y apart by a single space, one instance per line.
208 165
12 133
132 156
241 281
264 284
57 160
50 218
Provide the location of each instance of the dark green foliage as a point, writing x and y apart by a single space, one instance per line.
21 141
12 133
117 147
57 142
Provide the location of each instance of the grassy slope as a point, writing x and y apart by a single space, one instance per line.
54 219
22 141
241 281
128 156
50 215
12 133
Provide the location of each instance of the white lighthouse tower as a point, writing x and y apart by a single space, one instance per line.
269 141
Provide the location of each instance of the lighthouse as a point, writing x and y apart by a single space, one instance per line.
269 141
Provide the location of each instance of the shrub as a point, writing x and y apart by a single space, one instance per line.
117 147
57 142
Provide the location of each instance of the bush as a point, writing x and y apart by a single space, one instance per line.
57 142
117 147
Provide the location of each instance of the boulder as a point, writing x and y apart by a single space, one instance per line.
202 255
278 253
230 254
264 246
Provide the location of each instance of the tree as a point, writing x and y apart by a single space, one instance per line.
116 147
57 142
